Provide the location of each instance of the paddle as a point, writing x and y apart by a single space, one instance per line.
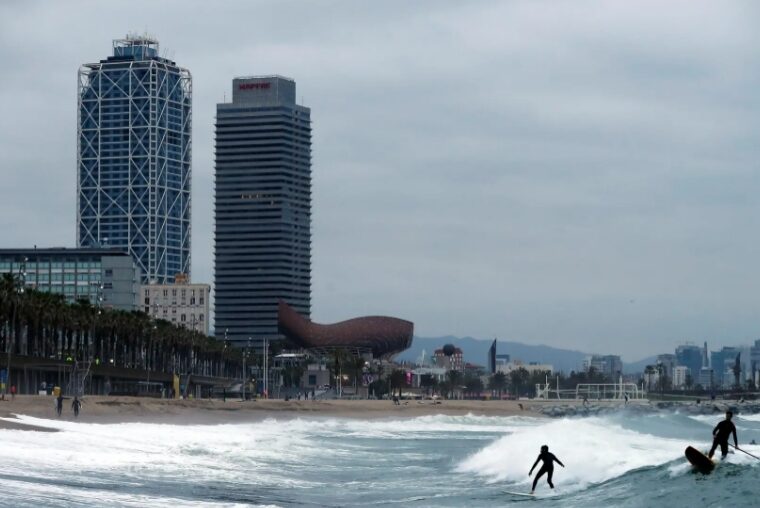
753 456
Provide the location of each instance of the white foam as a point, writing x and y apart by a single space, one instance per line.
750 417
593 449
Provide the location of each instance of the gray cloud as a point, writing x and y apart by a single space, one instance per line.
580 174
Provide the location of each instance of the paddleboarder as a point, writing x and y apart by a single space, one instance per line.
547 467
721 432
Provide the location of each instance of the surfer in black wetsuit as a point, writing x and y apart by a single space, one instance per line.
721 432
547 467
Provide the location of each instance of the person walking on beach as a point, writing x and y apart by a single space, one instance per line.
59 404
76 405
721 432
547 467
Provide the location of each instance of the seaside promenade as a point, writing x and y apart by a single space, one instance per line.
107 409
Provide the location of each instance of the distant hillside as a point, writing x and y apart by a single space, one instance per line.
476 351
637 367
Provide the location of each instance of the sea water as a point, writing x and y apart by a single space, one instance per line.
465 461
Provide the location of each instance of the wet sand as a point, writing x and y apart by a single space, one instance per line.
98 409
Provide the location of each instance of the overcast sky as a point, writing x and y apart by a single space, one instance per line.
577 174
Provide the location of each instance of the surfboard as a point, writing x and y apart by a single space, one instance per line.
523 494
699 460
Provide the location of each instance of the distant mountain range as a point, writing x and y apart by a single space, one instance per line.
476 351
635 367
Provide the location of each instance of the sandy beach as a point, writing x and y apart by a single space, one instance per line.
149 410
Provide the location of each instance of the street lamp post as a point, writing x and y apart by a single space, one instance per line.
266 368
245 358
225 346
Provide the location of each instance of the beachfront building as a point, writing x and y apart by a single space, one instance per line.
693 357
492 357
667 363
754 362
680 375
133 158
452 361
302 373
495 358
262 206
723 363
182 303
706 378
610 366
436 373
108 278
530 367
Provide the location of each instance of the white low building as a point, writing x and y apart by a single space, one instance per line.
680 373
530 367
181 303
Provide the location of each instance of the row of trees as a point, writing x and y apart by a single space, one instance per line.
518 382
43 325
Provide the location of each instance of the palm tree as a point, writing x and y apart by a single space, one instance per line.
473 385
357 365
649 371
339 361
688 382
518 378
397 380
498 382
39 324
429 382
737 371
453 378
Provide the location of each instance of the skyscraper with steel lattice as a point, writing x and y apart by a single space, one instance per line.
134 157
262 206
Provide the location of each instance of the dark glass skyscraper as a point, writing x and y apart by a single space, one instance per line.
134 158
262 208
690 356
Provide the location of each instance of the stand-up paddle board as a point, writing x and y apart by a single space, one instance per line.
523 494
699 460
542 495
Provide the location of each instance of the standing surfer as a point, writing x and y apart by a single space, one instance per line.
721 432
547 467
